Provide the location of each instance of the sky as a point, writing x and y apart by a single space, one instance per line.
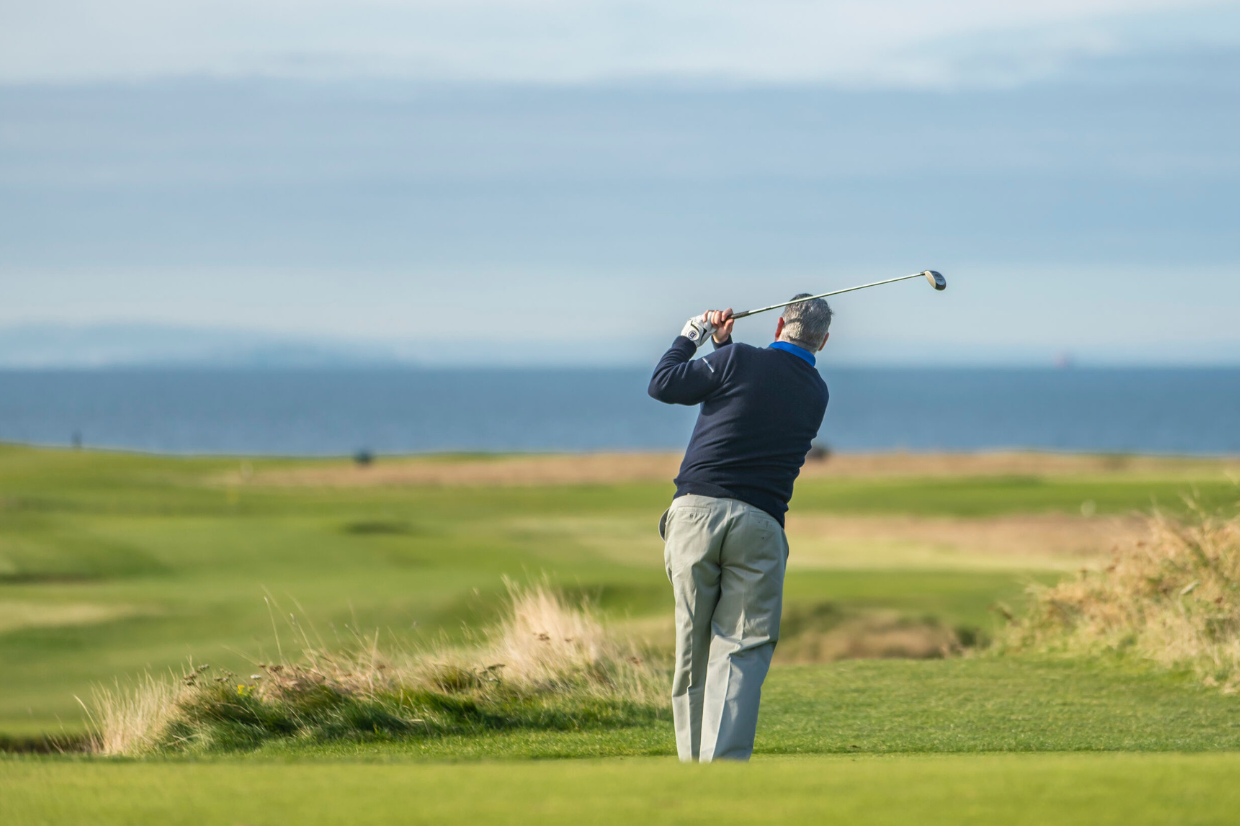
538 181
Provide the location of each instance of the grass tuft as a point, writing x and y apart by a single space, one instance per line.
131 720
545 666
1172 597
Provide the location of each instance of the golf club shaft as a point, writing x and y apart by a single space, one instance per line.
825 295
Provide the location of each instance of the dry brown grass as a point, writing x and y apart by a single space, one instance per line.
1022 541
128 721
542 640
1172 597
845 541
583 469
610 468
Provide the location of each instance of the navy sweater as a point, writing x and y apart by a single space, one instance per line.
761 409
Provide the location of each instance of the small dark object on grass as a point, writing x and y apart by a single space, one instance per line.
818 452
368 527
363 458
77 440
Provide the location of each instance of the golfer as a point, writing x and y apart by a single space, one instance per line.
725 547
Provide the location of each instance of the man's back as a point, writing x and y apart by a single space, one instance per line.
761 409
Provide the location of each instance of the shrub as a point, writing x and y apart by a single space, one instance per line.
1172 597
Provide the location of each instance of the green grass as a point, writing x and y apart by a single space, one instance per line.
113 564
992 704
836 741
1013 789
970 705
1011 494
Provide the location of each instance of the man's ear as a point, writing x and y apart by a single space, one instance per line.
824 342
779 328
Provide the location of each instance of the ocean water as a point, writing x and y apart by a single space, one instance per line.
331 411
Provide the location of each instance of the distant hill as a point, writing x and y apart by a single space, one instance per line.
114 345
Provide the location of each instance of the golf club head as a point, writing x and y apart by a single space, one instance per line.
936 279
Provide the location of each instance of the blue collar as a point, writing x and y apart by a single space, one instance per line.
799 352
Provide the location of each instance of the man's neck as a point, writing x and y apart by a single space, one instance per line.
795 349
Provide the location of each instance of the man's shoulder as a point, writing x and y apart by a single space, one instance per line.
733 351
741 348
822 388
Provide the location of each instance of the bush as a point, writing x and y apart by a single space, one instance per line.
1173 597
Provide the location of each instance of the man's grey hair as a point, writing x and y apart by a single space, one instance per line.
806 323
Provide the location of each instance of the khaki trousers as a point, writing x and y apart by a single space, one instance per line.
726 562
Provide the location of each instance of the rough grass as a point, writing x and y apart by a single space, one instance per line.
544 666
1172 597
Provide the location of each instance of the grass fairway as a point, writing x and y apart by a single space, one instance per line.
1016 789
114 564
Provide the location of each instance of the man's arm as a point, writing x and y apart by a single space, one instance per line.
680 380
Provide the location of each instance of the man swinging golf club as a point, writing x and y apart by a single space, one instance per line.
725 547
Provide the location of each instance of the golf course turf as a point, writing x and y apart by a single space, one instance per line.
938 789
113 565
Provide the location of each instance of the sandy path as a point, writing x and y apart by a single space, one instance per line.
843 542
1042 541
611 468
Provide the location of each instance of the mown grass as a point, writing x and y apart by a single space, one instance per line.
1012 789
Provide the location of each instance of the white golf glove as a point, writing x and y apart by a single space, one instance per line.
698 329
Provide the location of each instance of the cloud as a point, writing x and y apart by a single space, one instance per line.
890 43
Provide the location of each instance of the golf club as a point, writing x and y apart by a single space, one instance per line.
936 280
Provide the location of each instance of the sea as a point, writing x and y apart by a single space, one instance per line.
307 412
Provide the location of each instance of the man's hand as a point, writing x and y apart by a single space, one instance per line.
722 321
697 329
